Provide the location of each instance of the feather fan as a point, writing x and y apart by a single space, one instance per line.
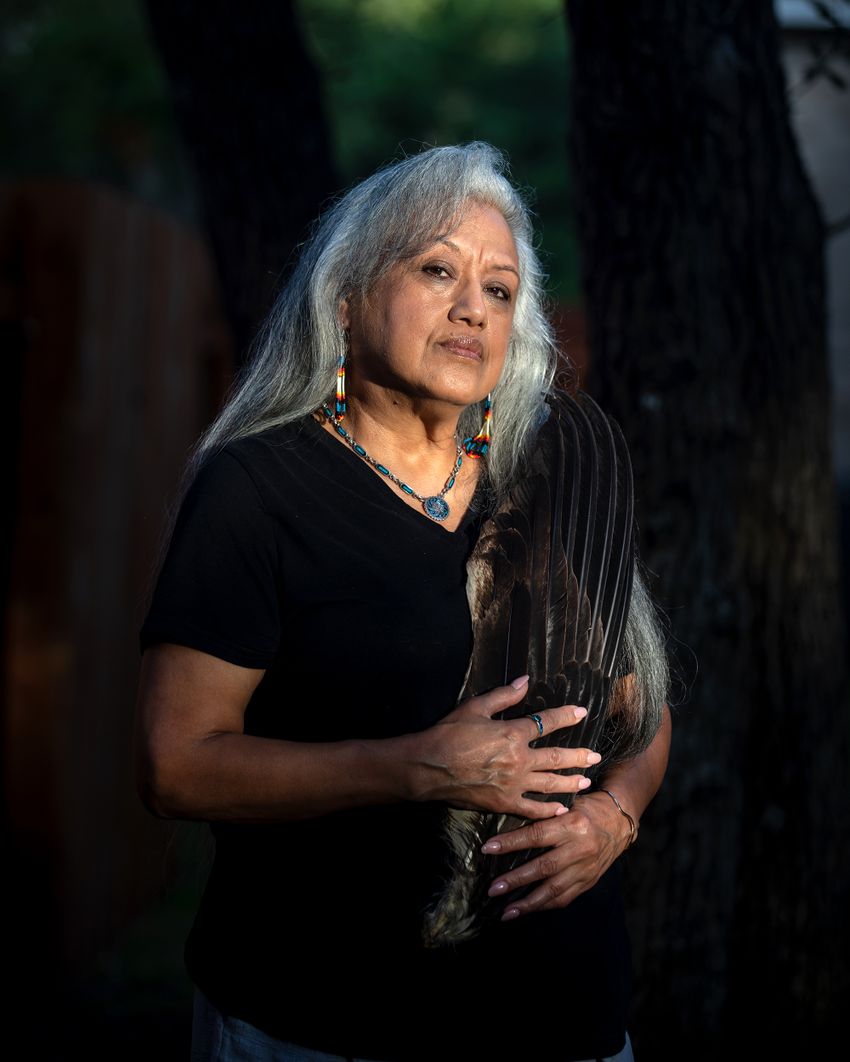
549 583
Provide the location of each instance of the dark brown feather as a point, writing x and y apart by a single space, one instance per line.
549 583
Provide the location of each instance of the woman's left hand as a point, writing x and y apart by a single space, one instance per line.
581 845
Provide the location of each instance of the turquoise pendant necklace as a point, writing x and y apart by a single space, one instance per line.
435 505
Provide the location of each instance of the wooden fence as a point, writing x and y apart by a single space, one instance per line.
116 354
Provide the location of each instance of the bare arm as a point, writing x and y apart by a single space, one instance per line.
194 761
635 782
583 844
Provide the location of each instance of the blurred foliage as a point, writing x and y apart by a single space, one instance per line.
83 95
400 74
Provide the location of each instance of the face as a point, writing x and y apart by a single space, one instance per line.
437 326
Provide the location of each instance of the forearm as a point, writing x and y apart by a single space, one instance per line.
194 761
635 782
242 778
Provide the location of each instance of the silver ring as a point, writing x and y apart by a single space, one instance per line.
539 721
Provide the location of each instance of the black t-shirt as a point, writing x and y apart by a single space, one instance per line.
290 554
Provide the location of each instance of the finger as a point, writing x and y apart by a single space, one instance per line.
529 808
545 867
550 720
503 697
547 784
555 892
554 758
559 718
540 834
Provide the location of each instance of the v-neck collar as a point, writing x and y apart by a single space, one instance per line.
421 518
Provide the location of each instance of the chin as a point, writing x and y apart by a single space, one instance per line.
459 393
459 399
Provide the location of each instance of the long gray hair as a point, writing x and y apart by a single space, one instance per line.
395 214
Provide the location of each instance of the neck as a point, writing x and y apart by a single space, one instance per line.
417 442
418 429
418 446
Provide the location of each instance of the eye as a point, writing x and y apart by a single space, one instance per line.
500 293
435 269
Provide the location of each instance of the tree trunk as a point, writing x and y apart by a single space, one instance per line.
703 273
248 101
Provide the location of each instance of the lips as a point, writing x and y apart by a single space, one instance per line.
466 346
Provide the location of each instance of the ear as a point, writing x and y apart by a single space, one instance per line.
344 313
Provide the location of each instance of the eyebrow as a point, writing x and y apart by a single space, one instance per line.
503 268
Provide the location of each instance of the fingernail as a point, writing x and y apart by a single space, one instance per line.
518 683
562 810
580 713
492 846
512 912
583 783
497 887
593 757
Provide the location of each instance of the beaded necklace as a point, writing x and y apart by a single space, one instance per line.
435 505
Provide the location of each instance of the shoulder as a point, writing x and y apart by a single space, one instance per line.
243 469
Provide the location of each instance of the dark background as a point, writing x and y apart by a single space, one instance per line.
688 166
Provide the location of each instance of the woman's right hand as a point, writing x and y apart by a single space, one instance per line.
471 760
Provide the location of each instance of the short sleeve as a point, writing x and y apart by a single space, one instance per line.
217 590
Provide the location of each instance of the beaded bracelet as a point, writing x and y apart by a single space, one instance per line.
633 827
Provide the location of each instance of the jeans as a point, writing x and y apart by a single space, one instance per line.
218 1038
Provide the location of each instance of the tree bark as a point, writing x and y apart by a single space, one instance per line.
702 250
248 100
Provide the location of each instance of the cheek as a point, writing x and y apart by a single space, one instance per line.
379 333
499 361
495 375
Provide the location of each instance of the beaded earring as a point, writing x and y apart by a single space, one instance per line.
341 404
478 445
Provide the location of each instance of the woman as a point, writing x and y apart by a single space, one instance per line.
309 635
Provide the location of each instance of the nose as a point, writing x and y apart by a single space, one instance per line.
469 304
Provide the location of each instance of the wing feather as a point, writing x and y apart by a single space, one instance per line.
549 585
